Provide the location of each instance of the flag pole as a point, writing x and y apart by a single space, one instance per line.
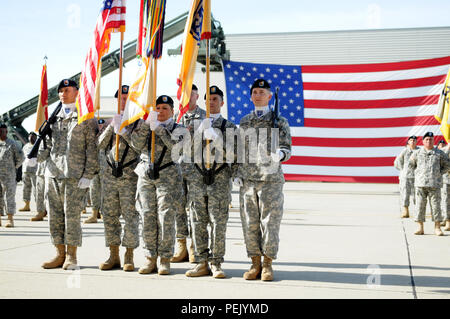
207 96
119 104
155 63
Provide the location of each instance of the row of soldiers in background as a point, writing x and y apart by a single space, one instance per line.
161 193
424 175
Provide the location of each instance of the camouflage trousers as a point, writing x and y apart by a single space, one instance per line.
445 191
261 206
95 192
208 206
159 200
434 195
8 188
182 224
406 191
2 201
40 193
64 202
120 199
29 184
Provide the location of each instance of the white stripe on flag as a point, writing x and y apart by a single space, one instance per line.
340 170
346 151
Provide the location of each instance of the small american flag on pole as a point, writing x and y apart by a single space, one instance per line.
111 19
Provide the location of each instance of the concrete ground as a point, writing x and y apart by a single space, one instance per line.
337 241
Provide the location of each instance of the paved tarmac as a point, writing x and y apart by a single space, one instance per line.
337 241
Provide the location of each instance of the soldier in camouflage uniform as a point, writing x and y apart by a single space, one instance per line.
40 193
429 164
261 180
406 177
159 186
445 191
71 157
119 193
192 118
11 157
209 197
28 175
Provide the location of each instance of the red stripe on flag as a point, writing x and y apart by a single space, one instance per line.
343 179
366 123
341 161
372 104
355 142
378 85
375 67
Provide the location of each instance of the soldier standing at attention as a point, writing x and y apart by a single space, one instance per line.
209 196
429 164
71 157
261 192
159 186
40 193
11 157
191 118
28 175
406 177
119 193
445 192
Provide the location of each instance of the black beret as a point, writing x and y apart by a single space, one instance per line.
194 87
215 90
430 134
260 83
412 137
125 89
32 133
164 99
66 83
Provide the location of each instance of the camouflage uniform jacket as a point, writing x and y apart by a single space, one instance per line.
265 170
401 163
429 167
108 138
11 157
25 168
72 148
140 139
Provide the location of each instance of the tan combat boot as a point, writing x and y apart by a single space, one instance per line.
128 263
192 253
181 253
437 229
267 271
26 207
405 212
164 266
39 216
420 230
10 222
71 258
201 269
217 271
93 218
113 261
149 266
58 260
447 224
255 269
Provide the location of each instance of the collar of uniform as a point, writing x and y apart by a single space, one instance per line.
215 116
167 122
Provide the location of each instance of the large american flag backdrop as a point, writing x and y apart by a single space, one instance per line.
348 122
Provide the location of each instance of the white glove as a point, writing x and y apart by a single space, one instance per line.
115 123
204 125
210 134
277 156
84 183
238 182
152 120
31 162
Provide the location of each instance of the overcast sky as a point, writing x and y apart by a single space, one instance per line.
62 30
